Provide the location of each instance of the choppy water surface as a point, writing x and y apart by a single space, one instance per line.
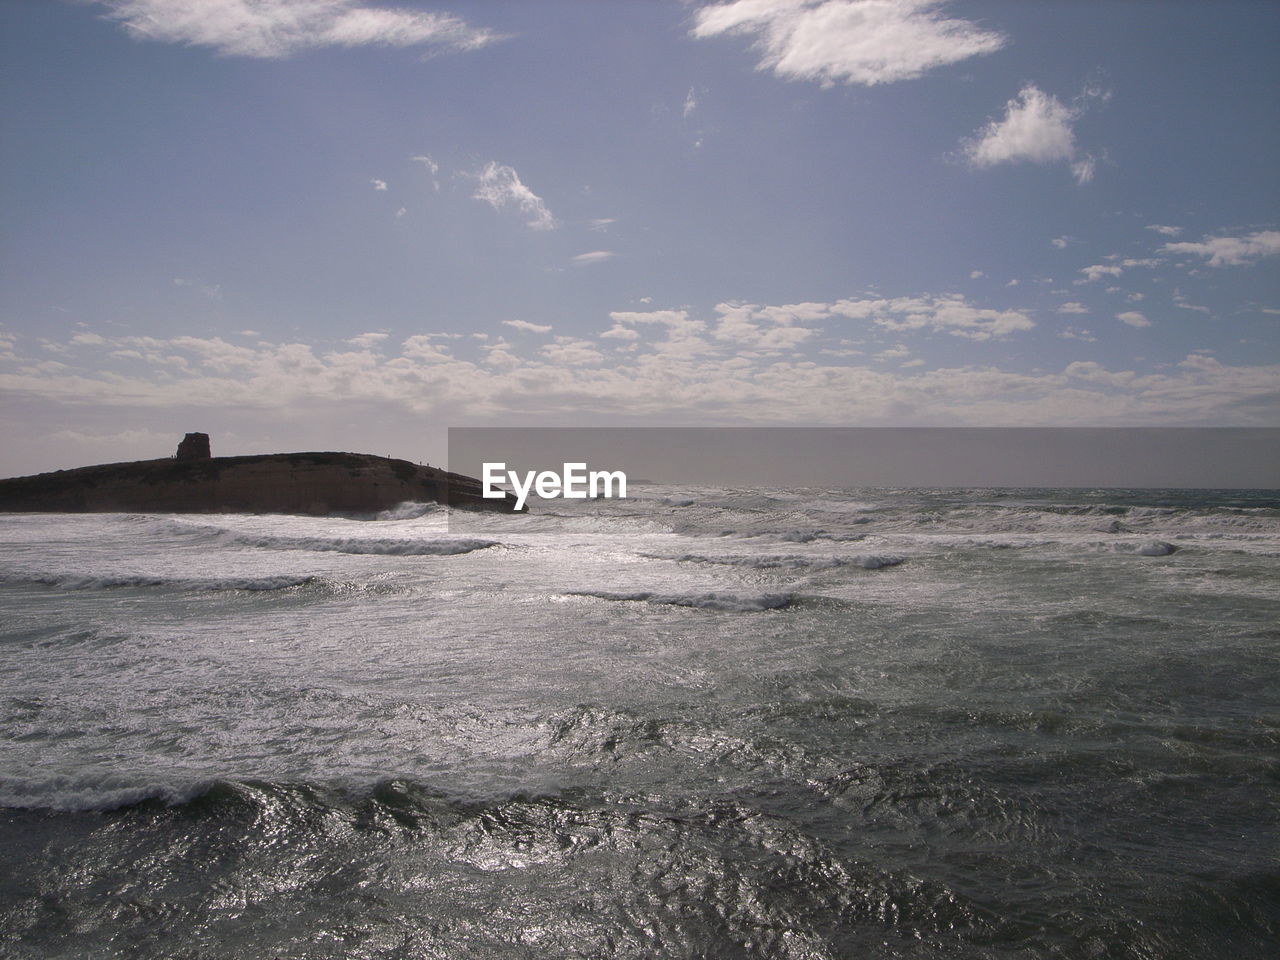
695 723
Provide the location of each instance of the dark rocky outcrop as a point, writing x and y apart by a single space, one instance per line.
308 483
195 446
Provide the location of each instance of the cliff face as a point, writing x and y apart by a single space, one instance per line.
310 483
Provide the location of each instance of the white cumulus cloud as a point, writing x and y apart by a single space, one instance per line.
767 329
1232 251
500 187
1036 128
1133 318
272 29
947 314
1099 270
848 41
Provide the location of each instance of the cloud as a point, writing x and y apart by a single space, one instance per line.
273 29
500 187
1036 128
848 41
653 381
379 184
210 291
595 256
1098 271
572 352
976 274
1181 302
690 103
527 326
367 340
767 329
896 352
1165 231
421 347
432 166
1061 243
683 336
1133 318
620 332
946 314
1073 307
601 223
1232 251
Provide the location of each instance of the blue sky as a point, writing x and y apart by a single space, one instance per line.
349 224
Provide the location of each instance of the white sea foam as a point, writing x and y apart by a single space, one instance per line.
410 510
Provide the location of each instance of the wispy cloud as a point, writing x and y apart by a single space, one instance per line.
1165 231
501 188
1232 251
432 167
1036 128
528 327
210 291
595 256
273 29
690 103
848 41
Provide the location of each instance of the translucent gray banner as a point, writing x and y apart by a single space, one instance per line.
563 460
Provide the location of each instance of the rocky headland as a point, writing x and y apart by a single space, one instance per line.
195 482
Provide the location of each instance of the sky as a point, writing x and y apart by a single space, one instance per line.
351 224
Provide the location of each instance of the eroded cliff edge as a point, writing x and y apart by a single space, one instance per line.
307 483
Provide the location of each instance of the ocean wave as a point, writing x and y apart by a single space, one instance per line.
362 545
88 793
73 581
790 561
1148 548
409 510
704 601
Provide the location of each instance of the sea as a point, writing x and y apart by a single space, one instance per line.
698 722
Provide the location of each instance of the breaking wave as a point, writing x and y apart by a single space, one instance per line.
704 601
361 545
71 581
791 561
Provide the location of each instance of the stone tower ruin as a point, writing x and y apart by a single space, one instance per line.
194 446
